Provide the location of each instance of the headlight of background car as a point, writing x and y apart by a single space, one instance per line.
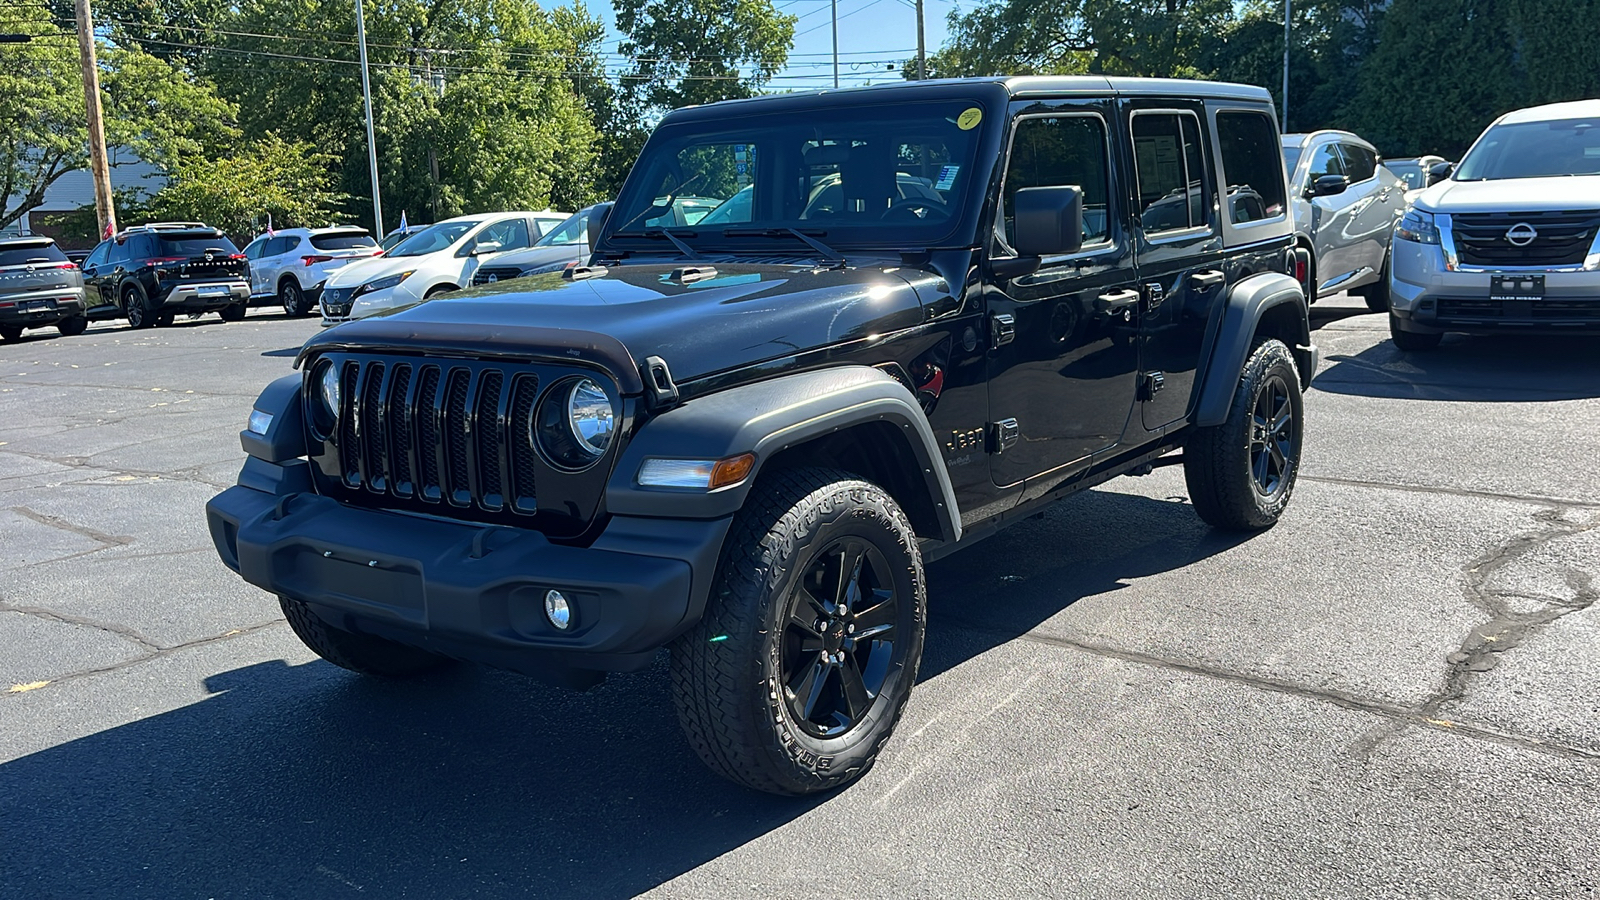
576 423
1418 227
383 284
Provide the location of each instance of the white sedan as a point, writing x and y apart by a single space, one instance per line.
438 258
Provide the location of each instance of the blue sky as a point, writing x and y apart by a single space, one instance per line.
872 33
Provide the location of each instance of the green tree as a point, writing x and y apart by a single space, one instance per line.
290 180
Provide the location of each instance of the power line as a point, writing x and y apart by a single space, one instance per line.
847 15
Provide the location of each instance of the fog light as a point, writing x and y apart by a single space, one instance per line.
557 610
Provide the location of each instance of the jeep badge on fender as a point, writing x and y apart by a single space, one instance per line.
734 433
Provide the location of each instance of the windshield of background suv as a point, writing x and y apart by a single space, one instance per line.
433 238
1408 171
569 232
194 244
859 175
35 253
1291 158
1534 150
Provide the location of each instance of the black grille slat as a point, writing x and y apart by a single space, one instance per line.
488 438
370 429
457 435
401 456
349 446
524 459
427 406
1564 238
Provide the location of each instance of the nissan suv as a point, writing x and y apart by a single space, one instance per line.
744 441
39 287
149 274
1510 241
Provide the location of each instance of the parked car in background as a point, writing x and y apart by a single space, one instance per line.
39 287
149 274
547 221
563 245
1415 171
1510 241
77 256
1345 206
398 235
290 266
441 257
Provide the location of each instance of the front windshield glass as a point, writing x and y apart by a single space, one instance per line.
433 238
1534 150
1291 158
860 175
570 231
1409 171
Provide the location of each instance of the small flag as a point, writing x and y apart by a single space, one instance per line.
111 229
402 221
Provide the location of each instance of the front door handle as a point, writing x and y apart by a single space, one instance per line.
1117 304
1205 281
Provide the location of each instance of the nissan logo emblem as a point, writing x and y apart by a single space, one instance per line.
493 278
1521 234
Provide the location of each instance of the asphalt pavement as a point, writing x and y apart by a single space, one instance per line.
1393 692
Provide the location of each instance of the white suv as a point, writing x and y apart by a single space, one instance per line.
441 257
1510 242
292 265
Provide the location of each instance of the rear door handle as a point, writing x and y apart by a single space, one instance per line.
1205 281
1118 304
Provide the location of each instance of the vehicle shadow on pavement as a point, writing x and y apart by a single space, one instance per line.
1498 368
309 781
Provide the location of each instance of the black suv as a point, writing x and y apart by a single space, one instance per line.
151 273
39 286
745 441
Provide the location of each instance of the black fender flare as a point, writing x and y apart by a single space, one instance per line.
1248 303
765 418
286 433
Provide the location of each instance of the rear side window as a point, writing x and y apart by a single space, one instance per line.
1360 163
1171 166
1252 165
34 253
344 241
195 245
1058 151
99 256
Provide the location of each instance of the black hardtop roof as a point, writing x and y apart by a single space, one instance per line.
1017 86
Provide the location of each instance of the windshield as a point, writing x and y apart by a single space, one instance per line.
1291 158
1409 171
433 238
874 175
195 245
571 231
1534 150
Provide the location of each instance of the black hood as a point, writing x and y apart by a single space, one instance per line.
744 314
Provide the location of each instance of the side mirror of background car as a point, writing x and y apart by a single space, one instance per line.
1329 185
1439 172
486 248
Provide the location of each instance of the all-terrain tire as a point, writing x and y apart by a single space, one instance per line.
72 326
732 679
293 299
357 652
136 306
1223 466
1410 341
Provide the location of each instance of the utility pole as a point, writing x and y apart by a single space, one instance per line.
1285 123
104 209
835 4
372 145
922 46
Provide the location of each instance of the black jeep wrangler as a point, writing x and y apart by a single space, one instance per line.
918 313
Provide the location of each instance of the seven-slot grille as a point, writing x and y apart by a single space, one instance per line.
451 434
1564 238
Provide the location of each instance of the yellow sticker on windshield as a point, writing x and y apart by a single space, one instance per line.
969 119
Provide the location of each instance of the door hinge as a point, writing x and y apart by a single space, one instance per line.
1150 384
1003 434
1002 329
1154 294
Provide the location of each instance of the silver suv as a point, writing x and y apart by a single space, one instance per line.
1510 242
1345 206
39 287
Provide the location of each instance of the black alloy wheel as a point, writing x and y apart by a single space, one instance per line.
1273 432
135 308
839 639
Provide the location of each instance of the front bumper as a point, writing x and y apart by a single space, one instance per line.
466 590
37 309
1428 298
203 296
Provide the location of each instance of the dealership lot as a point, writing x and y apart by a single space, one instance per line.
1393 692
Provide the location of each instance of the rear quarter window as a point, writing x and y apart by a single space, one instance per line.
1253 166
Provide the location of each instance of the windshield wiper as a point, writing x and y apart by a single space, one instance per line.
683 248
785 231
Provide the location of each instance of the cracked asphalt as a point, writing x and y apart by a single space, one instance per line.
1394 692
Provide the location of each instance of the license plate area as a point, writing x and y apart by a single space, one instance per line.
212 290
38 305
1516 288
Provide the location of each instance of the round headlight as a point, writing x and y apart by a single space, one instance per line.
330 389
590 416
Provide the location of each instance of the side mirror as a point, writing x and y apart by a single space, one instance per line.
486 248
597 222
1329 185
1439 172
1048 220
